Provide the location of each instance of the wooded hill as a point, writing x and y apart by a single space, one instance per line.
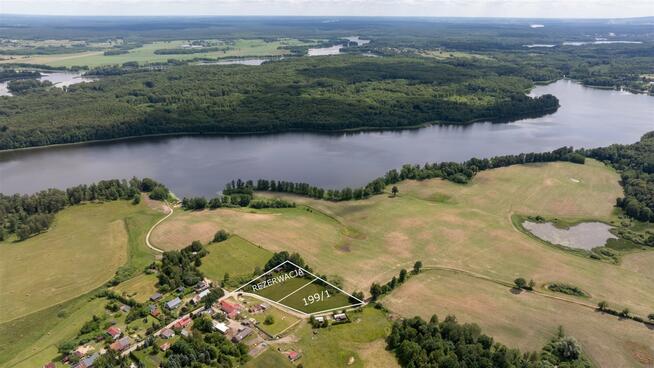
326 94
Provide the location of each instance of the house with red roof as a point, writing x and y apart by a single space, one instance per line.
114 332
182 323
232 310
120 345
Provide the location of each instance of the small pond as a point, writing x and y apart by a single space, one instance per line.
587 235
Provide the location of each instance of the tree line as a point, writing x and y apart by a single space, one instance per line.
635 163
418 343
455 172
27 215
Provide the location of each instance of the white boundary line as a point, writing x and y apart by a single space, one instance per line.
361 302
274 302
298 289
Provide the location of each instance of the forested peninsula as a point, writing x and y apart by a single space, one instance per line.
312 94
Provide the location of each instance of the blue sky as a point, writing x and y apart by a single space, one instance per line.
471 8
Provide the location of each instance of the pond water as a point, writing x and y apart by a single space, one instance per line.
59 79
201 165
324 51
586 235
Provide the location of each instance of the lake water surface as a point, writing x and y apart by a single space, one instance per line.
201 165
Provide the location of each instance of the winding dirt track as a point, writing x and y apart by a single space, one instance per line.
147 237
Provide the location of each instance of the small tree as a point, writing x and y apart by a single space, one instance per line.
651 317
269 320
395 190
155 349
417 266
625 313
520 283
602 305
403 274
531 284
375 291
136 199
221 235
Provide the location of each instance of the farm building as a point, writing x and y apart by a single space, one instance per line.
156 296
242 334
340 317
220 326
293 356
232 310
173 303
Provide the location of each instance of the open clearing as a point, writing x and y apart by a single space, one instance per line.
145 54
82 250
522 320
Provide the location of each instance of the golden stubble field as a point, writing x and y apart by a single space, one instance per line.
466 227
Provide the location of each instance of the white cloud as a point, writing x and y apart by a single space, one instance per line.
489 8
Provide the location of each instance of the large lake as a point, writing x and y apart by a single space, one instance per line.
201 165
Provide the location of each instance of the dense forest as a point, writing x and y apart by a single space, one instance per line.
635 163
27 215
338 93
417 343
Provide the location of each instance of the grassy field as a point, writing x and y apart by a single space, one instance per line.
145 54
269 358
84 248
524 320
235 256
444 224
282 320
138 288
31 341
299 300
356 344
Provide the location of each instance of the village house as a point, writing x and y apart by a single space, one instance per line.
165 346
167 333
196 299
114 332
182 323
88 361
125 308
120 345
242 334
155 297
202 285
49 365
154 311
340 317
173 303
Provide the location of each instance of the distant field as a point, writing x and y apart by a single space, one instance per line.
145 54
139 288
235 256
269 358
526 320
83 250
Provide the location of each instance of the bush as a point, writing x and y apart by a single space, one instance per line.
220 236
269 320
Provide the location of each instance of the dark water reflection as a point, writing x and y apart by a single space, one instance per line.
201 165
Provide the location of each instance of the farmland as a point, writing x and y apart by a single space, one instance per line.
83 250
235 256
466 227
146 54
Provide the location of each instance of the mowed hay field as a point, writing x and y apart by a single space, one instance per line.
442 224
82 250
524 320
139 288
235 256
